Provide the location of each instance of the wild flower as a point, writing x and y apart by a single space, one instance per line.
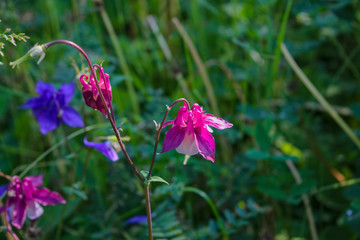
52 107
25 196
91 93
105 148
191 134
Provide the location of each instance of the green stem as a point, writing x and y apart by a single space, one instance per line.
120 55
305 199
56 145
277 53
332 112
58 230
212 206
199 64
205 77
336 186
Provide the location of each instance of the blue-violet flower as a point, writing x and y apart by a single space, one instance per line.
105 148
52 107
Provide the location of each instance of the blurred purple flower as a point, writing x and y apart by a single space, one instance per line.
91 93
191 134
52 107
105 148
3 189
136 219
24 198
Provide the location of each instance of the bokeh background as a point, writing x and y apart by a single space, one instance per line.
285 170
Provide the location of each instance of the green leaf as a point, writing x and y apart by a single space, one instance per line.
76 190
152 178
157 179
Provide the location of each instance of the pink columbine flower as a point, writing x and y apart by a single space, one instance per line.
25 197
191 134
91 93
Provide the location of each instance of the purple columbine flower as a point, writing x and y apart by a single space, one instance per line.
52 107
25 197
191 134
105 148
91 93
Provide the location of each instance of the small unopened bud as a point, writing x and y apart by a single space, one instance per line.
35 51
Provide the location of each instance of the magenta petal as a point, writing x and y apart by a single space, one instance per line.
71 117
46 197
173 138
37 181
206 144
19 213
216 122
168 123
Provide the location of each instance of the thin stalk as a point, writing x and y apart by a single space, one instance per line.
58 231
148 210
332 112
85 165
151 20
205 77
277 53
346 183
68 145
305 199
199 64
159 131
212 206
118 50
116 131
53 147
8 177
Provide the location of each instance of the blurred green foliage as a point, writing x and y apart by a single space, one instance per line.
275 118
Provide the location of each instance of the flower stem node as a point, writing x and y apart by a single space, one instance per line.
35 51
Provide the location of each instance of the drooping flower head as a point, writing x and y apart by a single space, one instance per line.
91 93
191 134
105 148
25 197
52 107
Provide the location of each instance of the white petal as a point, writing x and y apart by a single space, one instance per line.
188 145
34 210
209 128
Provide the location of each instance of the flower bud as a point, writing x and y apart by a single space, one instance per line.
35 51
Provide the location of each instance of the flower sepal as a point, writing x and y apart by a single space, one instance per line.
152 178
35 51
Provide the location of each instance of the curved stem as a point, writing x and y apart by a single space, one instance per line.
159 131
116 131
5 176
